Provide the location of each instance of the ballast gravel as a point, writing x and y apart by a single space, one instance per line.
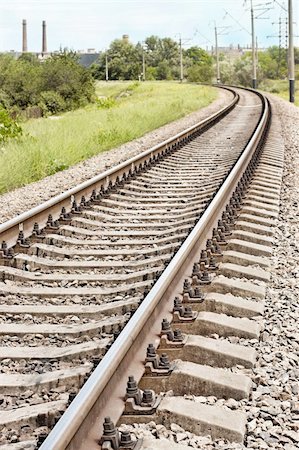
27 197
273 408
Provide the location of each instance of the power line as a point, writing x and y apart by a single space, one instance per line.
235 20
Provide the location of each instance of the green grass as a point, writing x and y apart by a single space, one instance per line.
280 88
124 111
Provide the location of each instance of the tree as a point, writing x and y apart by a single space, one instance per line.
199 65
8 127
21 81
243 70
273 62
63 74
124 61
27 81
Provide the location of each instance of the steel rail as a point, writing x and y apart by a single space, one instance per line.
9 230
70 422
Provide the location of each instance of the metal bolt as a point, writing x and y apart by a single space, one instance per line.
221 237
187 312
110 434
151 351
83 201
147 397
198 293
126 440
166 329
178 305
165 326
209 243
50 220
132 390
217 249
213 265
36 231
203 257
195 270
109 428
164 361
177 336
187 285
21 236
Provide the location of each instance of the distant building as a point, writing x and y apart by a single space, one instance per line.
232 51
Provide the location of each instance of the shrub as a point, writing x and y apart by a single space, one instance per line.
8 127
201 73
4 99
57 84
105 102
51 103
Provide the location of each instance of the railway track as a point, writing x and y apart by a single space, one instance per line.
93 272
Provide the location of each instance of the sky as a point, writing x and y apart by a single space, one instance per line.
82 24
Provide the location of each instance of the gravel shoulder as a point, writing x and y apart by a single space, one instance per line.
27 197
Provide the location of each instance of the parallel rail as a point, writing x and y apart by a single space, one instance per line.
101 394
9 231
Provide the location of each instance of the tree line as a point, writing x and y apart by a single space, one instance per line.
162 61
32 88
272 64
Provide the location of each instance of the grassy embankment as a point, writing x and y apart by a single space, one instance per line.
124 112
280 88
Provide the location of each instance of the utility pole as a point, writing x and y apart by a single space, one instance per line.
143 65
217 56
181 43
253 47
143 61
291 63
287 34
106 67
217 33
181 61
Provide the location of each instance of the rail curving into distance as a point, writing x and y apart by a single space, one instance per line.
109 378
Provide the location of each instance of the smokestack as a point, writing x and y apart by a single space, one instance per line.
24 37
44 47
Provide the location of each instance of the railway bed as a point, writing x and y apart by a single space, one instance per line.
111 267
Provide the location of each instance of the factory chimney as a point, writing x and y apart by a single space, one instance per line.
44 45
24 36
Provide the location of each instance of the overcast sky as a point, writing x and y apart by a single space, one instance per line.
82 24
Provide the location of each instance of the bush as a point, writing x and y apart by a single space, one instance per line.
203 73
56 85
51 103
4 99
8 127
105 102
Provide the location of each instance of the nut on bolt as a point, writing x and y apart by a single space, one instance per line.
140 402
113 439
